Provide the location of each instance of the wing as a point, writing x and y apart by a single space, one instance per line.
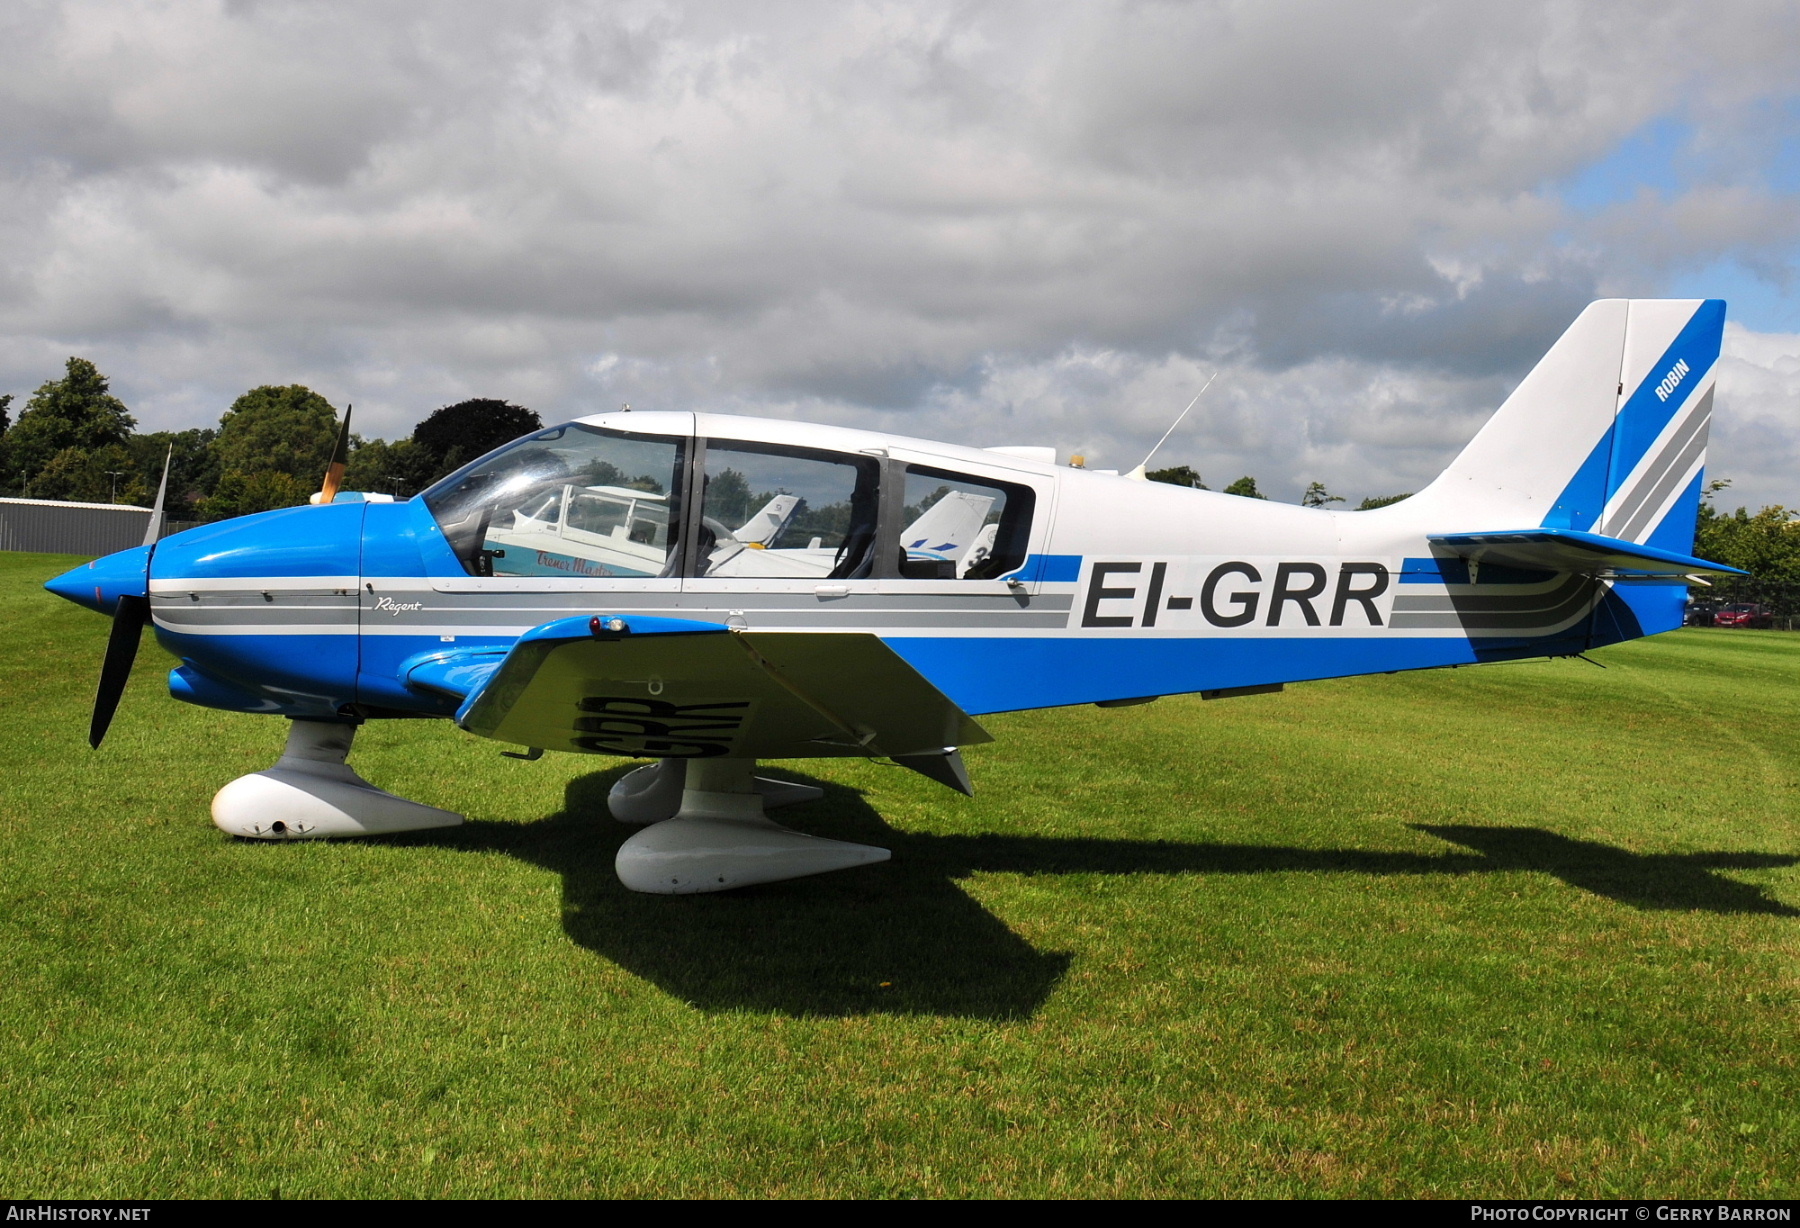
1582 554
677 688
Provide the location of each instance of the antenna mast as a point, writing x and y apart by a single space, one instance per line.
1138 473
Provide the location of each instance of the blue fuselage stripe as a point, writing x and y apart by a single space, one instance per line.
997 675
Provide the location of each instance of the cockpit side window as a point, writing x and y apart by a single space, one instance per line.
772 511
956 527
574 500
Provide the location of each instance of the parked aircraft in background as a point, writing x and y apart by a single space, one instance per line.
704 591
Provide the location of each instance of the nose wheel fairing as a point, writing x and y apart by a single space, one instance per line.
312 793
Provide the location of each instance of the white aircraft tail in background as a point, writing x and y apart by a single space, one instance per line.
948 528
766 524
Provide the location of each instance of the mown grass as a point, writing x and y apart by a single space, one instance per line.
1525 930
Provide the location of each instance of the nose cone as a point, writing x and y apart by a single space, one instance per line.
99 585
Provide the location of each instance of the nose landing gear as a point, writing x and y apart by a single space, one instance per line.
312 793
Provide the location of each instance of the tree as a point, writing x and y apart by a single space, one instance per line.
401 468
1317 496
1374 501
1766 544
1245 486
456 434
728 498
5 411
193 466
446 441
287 429
102 475
1178 475
76 411
240 494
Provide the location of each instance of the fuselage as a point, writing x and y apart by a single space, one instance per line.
1031 585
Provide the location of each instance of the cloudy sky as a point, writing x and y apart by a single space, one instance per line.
993 223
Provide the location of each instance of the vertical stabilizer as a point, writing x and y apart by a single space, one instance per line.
1606 435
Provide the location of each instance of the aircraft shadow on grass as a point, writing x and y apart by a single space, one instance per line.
903 938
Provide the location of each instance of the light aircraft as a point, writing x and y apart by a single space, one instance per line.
705 591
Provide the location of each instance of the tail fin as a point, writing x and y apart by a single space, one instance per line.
1607 434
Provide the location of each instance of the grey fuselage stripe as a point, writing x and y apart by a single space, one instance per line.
1643 498
1577 599
1495 603
1665 486
604 600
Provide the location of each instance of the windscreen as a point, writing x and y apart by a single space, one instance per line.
570 501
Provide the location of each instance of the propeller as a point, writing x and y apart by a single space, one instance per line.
128 626
115 670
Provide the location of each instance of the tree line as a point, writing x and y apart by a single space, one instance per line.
1316 495
74 440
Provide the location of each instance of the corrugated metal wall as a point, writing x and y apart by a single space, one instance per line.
43 527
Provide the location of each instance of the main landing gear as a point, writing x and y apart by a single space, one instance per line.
703 820
707 830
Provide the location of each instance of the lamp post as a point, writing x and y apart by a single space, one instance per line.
112 495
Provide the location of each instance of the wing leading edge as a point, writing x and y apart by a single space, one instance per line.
1576 553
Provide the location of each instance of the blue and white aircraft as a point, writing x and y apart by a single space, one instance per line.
705 591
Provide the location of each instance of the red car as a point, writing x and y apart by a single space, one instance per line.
1744 614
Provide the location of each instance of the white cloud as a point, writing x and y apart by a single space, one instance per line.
988 221
1756 421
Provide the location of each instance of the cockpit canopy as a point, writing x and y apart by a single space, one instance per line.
580 500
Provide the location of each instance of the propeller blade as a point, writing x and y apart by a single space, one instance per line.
154 530
121 652
340 456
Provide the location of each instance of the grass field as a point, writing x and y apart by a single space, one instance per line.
1526 930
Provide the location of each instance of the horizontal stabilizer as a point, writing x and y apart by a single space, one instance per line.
678 688
1576 553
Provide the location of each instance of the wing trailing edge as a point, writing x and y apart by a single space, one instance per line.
1576 553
